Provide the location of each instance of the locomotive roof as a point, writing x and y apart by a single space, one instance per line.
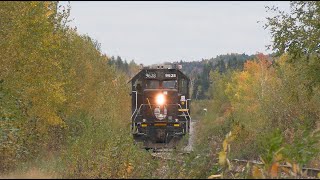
156 69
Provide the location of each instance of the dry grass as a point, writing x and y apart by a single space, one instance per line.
33 173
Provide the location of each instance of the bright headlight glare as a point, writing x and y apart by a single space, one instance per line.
160 99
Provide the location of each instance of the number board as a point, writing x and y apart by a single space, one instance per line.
170 75
151 75
156 75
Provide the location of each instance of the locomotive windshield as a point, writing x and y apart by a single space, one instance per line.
155 84
169 84
152 84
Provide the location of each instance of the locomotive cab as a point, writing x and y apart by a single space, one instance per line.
160 106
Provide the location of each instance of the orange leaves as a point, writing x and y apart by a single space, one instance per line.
258 66
251 67
274 170
257 173
129 168
243 76
295 169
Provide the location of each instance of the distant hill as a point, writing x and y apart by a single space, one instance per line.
198 71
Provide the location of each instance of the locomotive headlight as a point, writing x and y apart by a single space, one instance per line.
160 99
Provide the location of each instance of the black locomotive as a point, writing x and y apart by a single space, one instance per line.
160 106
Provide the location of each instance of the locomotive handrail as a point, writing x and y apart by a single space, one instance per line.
137 112
153 105
136 103
135 117
187 102
183 112
186 118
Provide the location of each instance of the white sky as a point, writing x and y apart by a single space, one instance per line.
155 32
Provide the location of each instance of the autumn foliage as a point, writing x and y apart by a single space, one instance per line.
60 100
272 114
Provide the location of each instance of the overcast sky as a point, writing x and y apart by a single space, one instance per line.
155 32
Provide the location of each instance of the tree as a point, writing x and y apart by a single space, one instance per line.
298 32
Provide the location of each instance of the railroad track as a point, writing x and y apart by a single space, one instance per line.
167 154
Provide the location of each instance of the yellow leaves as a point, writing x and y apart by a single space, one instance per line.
35 62
285 170
295 168
11 137
282 61
53 119
318 175
278 157
47 4
45 95
49 10
115 82
49 13
34 3
229 138
225 145
257 173
239 88
56 76
58 92
251 67
126 170
243 76
47 116
222 158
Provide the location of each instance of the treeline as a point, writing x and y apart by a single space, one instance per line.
199 71
61 103
130 69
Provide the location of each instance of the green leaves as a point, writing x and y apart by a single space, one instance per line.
272 146
298 32
304 148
